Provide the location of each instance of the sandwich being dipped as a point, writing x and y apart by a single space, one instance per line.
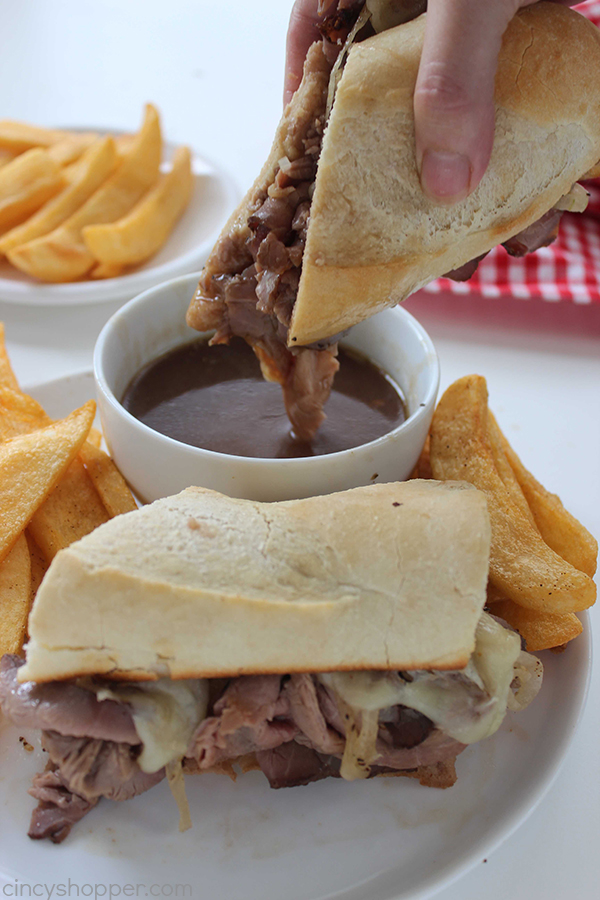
203 633
336 227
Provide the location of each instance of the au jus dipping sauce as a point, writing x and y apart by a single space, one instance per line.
216 398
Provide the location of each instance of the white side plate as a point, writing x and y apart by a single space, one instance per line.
213 199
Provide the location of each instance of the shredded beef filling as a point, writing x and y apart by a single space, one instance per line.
290 726
256 302
250 284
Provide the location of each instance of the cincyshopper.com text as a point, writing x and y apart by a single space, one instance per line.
109 891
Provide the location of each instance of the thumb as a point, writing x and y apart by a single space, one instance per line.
454 94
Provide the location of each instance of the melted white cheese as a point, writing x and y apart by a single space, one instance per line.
467 704
165 713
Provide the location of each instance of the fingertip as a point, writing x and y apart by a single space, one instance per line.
446 176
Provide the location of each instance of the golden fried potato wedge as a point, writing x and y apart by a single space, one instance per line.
15 597
7 156
97 164
39 564
540 631
144 230
71 511
522 566
25 184
62 254
31 465
496 439
74 508
19 136
106 270
108 481
94 437
72 147
19 414
560 530
124 142
7 376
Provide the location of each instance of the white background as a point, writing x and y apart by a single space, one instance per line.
214 69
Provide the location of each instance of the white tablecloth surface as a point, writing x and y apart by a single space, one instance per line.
214 69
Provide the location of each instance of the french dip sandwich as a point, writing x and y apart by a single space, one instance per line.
336 226
203 633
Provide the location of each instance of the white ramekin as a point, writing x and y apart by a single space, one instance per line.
157 466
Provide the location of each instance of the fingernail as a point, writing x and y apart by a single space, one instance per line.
445 176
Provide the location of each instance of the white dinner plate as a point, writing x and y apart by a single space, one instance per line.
386 839
213 199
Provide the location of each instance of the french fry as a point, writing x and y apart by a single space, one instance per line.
39 564
15 597
7 376
94 437
540 631
7 156
560 530
504 470
19 414
422 468
72 510
31 465
25 184
18 136
108 481
522 566
72 147
62 254
123 143
144 230
106 270
97 164
74 507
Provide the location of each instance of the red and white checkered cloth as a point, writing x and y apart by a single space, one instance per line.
569 269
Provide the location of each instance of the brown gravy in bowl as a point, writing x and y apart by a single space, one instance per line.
216 398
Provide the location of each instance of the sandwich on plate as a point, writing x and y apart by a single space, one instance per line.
336 226
339 636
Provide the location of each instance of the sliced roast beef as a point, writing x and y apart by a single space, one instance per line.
94 768
62 707
464 272
59 808
250 283
437 747
294 764
292 726
307 388
540 234
252 715
305 710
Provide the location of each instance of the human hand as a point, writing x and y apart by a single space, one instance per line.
454 94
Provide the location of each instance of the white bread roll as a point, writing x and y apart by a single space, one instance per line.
389 576
374 237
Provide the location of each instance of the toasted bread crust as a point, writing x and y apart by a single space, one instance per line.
261 588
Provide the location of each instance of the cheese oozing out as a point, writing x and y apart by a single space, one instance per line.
165 714
467 704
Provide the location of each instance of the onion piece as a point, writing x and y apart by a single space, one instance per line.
575 201
176 781
527 681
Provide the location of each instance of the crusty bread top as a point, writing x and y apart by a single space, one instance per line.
374 237
201 585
